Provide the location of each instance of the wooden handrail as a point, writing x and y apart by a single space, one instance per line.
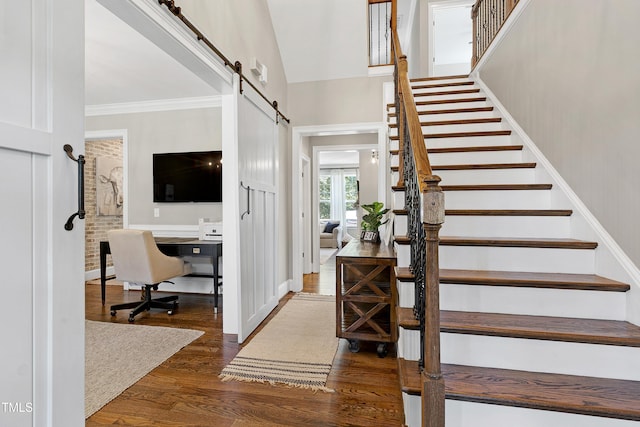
414 128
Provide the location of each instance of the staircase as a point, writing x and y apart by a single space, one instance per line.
530 335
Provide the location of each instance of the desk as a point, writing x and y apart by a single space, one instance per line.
175 246
366 294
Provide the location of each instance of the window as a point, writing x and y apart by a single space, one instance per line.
338 195
379 32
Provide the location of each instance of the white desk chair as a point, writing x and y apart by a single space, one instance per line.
137 259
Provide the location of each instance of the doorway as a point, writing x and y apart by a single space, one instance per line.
450 37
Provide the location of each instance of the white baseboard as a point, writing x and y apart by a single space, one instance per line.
95 274
284 288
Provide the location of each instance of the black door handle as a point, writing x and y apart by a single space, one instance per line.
80 213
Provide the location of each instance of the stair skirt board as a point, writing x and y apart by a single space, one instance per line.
528 354
581 304
471 414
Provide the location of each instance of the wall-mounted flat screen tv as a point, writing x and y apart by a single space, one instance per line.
187 177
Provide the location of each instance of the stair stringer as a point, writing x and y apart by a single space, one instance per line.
610 260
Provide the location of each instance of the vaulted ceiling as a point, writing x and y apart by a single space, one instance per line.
318 40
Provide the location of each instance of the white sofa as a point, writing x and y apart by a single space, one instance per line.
330 239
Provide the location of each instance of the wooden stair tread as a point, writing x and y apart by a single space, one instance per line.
508 242
456 122
447 101
499 212
589 282
479 166
450 111
519 242
446 92
468 149
574 394
591 331
508 212
530 279
565 329
461 134
428 79
437 85
486 187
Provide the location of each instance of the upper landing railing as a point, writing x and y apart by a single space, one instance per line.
488 17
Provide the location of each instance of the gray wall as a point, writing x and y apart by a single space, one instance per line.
162 132
337 101
242 30
568 73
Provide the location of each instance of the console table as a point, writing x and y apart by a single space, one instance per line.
175 246
366 294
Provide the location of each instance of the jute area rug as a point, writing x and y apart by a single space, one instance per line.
295 348
118 355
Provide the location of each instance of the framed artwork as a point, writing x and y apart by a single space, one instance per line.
109 198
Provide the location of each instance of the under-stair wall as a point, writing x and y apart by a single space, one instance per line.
533 303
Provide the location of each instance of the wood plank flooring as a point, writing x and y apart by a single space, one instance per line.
185 390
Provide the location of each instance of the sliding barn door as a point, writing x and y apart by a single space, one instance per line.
42 316
257 173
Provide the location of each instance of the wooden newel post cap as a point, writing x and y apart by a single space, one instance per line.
433 201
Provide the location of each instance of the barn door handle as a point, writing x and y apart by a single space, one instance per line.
80 160
248 211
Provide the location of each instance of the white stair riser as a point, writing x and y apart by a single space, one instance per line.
406 294
489 199
469 141
451 105
595 360
533 301
439 81
498 199
400 225
416 89
521 300
475 157
481 176
487 176
577 261
506 226
467 127
453 116
471 414
449 96
408 344
403 255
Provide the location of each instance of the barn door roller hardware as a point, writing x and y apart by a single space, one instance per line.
80 160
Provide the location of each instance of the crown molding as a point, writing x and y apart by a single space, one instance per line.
152 106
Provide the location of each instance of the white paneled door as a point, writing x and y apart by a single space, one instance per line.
42 264
257 173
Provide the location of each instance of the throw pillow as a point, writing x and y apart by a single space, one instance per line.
330 226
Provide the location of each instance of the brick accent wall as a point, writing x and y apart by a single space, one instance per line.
96 227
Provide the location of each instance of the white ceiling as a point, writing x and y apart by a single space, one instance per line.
121 66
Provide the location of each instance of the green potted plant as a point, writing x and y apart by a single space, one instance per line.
372 220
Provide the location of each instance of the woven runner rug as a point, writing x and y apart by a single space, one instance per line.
118 355
295 348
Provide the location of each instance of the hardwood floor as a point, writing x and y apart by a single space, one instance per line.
185 390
